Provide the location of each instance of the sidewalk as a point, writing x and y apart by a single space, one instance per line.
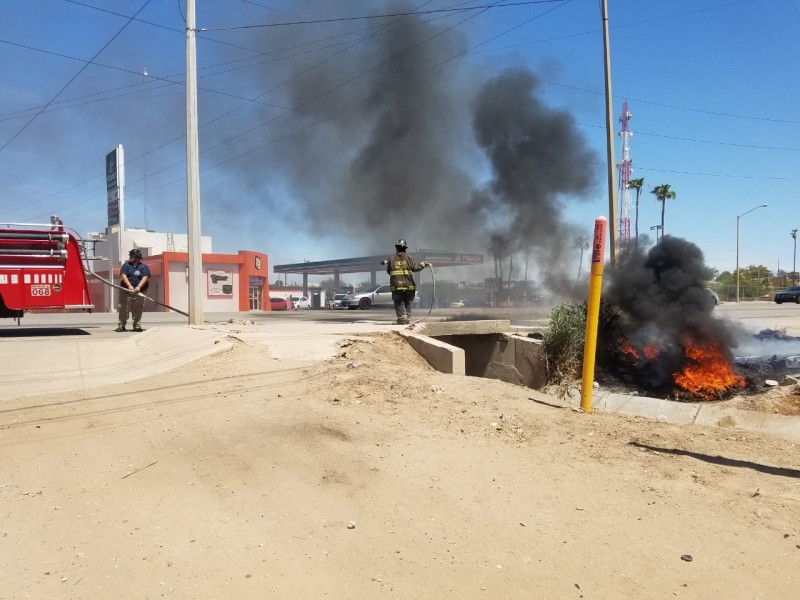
75 357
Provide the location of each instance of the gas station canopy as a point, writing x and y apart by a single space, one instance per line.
371 264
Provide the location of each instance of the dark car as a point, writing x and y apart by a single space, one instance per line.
791 294
279 304
713 297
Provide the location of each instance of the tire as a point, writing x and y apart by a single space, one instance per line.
797 300
778 301
365 304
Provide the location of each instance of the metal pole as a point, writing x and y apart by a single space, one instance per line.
193 173
794 258
612 188
737 243
737 257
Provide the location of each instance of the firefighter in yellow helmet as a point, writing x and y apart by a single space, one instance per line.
401 268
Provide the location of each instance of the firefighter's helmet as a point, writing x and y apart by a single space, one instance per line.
135 253
400 244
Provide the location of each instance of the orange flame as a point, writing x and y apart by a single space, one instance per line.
626 348
650 351
707 373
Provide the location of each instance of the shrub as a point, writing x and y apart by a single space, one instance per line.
563 343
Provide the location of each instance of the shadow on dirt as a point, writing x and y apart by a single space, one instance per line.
722 460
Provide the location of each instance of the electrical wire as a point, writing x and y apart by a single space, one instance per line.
552 83
74 77
479 7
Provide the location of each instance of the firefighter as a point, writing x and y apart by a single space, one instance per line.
401 268
134 276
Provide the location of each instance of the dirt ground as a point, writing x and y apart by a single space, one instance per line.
373 476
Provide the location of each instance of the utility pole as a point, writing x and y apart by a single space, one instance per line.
193 173
612 203
794 258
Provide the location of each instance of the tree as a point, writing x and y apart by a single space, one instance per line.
662 194
581 243
636 184
726 278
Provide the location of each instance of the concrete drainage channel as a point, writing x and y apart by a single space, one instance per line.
496 350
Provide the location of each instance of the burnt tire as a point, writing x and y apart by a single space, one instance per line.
365 304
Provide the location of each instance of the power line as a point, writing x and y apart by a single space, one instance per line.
564 3
74 77
288 110
479 7
334 116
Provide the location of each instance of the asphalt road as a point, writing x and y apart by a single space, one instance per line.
753 315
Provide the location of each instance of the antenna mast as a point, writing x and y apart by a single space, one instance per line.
624 169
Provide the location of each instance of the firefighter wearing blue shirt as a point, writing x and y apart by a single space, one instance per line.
401 268
134 276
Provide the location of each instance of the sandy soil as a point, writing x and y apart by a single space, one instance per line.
373 476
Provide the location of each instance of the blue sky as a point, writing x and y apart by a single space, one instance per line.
711 87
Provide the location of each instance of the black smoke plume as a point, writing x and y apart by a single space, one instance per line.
663 302
381 144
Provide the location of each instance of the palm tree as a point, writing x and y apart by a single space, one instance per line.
662 194
636 184
581 242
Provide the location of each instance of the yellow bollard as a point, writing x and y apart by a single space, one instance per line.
593 312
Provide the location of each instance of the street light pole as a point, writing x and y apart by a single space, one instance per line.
658 229
737 244
794 258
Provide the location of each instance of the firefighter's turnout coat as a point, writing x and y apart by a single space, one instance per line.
401 268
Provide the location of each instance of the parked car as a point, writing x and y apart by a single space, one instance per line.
300 303
791 294
458 304
337 302
279 303
377 296
713 296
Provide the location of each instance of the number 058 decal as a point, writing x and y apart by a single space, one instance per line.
40 290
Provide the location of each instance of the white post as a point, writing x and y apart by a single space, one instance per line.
196 282
612 201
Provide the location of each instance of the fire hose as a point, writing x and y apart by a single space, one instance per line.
119 287
433 296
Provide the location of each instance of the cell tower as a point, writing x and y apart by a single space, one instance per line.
624 169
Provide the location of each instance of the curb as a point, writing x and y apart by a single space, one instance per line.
695 413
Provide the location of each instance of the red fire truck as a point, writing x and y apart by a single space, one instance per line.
41 268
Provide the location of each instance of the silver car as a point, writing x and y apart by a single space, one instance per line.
337 301
376 295
300 303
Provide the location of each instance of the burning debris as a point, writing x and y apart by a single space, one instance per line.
707 374
769 355
666 339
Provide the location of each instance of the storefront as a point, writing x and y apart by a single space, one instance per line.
233 282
